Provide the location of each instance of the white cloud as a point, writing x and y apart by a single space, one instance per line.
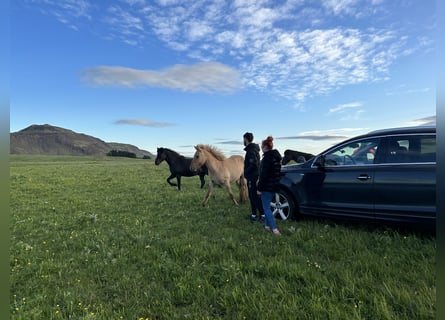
314 137
167 2
76 8
332 132
201 77
357 115
124 25
124 20
68 12
135 2
340 6
431 120
325 135
403 91
143 122
198 30
342 107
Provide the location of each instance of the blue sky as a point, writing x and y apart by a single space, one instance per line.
177 73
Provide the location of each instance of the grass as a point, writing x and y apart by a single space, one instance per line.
110 239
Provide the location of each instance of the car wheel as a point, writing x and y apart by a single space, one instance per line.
283 206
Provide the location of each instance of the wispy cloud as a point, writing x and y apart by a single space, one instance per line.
431 120
71 13
347 111
343 107
201 77
124 25
323 135
356 115
290 49
230 142
143 122
403 91
333 131
314 138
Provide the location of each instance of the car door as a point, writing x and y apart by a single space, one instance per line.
405 179
343 184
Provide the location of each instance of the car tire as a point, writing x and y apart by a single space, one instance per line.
283 206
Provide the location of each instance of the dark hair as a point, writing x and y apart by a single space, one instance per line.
268 142
248 136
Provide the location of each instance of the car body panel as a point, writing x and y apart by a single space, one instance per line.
339 191
405 192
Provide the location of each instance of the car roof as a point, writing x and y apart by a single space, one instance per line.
385 132
402 130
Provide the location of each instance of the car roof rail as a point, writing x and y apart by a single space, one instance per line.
404 129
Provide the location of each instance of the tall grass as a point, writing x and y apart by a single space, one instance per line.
110 239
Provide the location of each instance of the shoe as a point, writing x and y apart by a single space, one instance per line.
267 228
262 218
252 218
276 232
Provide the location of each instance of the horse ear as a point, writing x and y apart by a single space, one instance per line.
197 148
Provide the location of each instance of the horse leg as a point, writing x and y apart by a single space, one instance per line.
229 190
208 194
169 178
178 178
201 177
242 185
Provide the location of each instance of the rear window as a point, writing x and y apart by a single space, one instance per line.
410 149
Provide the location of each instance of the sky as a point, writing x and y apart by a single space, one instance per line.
170 73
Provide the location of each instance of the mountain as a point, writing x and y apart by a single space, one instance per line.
50 140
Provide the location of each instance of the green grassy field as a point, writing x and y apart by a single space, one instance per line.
110 239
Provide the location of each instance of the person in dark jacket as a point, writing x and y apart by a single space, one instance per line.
251 173
268 185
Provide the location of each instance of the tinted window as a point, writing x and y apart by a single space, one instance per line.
410 149
360 152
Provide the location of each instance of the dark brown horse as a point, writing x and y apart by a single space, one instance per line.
297 156
179 166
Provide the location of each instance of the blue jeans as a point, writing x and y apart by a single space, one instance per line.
266 198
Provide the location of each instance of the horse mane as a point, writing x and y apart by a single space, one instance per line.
213 151
170 150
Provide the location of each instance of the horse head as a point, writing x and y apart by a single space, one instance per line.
161 156
297 156
287 158
199 159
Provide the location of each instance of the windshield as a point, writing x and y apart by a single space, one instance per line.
361 152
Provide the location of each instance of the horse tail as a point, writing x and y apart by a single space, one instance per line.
243 189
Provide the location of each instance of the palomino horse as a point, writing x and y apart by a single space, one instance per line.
222 171
179 166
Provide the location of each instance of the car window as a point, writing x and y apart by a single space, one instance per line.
357 153
410 149
427 149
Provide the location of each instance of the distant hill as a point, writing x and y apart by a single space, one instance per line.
50 140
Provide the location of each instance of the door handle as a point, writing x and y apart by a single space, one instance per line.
364 177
